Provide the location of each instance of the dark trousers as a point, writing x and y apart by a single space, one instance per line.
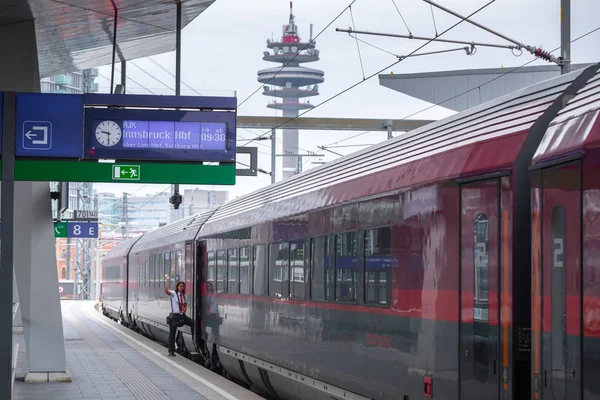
173 329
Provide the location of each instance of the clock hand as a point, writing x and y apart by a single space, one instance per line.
108 133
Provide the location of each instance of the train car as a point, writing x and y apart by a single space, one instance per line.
566 252
169 250
400 272
115 280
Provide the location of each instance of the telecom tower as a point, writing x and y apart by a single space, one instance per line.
291 83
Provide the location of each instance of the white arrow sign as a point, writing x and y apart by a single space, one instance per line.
30 135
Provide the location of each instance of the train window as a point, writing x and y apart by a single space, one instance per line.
152 265
167 271
180 266
233 269
297 270
278 269
175 270
480 298
160 271
245 270
378 265
320 271
221 272
345 266
211 272
259 270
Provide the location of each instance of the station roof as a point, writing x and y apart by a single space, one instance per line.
78 34
460 90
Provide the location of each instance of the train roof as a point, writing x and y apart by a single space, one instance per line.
177 232
575 128
351 177
121 249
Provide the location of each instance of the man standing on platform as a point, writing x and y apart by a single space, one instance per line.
177 317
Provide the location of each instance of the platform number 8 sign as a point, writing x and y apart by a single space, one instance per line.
83 230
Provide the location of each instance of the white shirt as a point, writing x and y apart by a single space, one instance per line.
175 300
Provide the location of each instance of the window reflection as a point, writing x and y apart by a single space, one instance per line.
232 271
320 268
378 264
297 270
345 266
278 269
259 269
245 270
480 298
211 274
221 272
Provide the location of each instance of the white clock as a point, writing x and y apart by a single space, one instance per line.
108 133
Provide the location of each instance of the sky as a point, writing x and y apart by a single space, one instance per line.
222 51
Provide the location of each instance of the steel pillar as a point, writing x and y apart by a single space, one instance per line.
565 35
273 156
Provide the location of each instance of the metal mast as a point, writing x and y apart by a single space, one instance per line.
290 82
565 34
83 249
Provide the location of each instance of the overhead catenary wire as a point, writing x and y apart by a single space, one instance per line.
173 75
434 24
131 79
399 13
510 71
496 78
374 46
153 197
362 67
538 52
376 73
428 39
150 75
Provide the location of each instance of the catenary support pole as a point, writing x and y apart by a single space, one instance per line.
565 35
273 156
114 52
124 75
178 210
178 52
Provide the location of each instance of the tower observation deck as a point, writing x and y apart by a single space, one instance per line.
289 83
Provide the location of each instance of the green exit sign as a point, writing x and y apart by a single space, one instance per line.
126 173
153 172
60 230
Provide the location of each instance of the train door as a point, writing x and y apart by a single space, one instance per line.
561 282
479 329
200 290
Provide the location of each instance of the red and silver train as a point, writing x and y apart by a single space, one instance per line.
458 261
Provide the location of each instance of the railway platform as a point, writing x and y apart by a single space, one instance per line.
107 361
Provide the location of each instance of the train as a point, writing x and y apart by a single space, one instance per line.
460 260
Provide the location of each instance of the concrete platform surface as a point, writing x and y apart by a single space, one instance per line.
107 361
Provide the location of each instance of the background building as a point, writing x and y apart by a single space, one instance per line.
73 83
196 201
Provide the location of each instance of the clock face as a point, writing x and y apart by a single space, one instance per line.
108 133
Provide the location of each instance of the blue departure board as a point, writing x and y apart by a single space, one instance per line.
174 135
